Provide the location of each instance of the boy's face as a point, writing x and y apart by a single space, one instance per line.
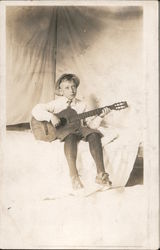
68 89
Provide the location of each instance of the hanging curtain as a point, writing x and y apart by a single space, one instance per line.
102 45
31 41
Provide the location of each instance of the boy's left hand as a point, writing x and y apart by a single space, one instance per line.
105 111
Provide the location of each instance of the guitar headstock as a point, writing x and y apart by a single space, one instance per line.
119 106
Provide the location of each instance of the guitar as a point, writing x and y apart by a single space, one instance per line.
69 119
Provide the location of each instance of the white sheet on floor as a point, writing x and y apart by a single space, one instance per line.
44 164
38 211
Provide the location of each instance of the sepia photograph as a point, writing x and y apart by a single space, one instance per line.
79 125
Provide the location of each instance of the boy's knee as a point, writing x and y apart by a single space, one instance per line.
93 137
71 137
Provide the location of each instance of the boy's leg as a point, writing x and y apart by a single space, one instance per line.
70 150
96 150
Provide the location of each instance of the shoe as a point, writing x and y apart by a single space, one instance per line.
103 179
76 182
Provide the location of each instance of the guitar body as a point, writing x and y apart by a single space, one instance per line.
45 131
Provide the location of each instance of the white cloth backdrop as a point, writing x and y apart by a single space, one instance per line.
102 45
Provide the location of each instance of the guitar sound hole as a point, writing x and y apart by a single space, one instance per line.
63 122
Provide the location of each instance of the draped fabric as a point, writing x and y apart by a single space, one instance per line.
102 45
46 167
30 60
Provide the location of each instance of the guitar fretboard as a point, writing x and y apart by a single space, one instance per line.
89 113
98 111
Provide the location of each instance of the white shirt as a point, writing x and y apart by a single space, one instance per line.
43 112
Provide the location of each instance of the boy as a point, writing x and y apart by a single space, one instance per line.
67 86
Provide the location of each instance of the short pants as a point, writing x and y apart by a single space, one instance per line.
81 132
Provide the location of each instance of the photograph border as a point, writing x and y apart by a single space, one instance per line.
151 78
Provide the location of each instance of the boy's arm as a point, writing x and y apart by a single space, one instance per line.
95 122
43 112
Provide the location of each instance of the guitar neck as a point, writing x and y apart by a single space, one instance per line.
93 112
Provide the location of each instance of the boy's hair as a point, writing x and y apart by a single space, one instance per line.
67 77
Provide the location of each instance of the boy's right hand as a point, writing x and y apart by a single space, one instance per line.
55 121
